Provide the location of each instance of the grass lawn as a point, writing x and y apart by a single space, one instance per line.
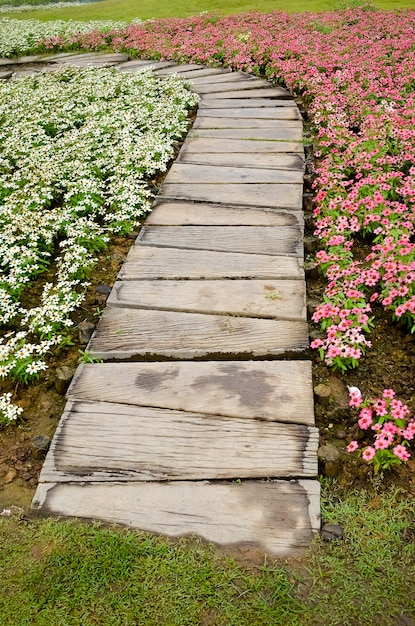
67 573
147 9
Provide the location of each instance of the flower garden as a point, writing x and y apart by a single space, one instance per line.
353 70
78 149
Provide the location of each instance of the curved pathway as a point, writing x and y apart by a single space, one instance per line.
200 418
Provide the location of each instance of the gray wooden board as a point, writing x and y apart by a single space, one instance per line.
185 72
277 391
283 299
262 134
279 161
224 77
278 240
119 57
190 173
108 440
258 92
150 262
224 103
141 333
217 146
229 87
274 196
257 134
278 517
198 213
265 113
206 122
138 64
187 69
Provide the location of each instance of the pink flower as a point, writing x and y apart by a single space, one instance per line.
353 445
368 454
401 452
365 419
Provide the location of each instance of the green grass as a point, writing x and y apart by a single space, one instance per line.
147 9
66 573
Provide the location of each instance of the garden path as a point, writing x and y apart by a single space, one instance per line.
200 418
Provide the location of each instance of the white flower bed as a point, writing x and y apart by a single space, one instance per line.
19 37
77 146
7 8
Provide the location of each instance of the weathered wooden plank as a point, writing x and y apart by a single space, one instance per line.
277 391
139 333
149 262
139 64
243 159
206 122
257 134
258 92
279 517
229 87
273 196
198 213
200 146
224 77
257 113
189 173
283 299
278 240
224 103
107 440
118 57
187 69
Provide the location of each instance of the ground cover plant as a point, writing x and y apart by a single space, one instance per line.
18 38
78 149
69 573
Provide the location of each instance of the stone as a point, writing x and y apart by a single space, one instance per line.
332 532
85 331
322 394
341 434
40 445
63 377
329 458
10 476
101 294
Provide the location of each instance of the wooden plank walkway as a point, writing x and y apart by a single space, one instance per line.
200 419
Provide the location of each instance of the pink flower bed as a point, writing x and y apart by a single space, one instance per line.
356 71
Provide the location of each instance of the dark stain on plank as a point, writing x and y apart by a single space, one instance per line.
251 387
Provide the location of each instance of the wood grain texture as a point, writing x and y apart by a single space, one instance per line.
138 333
277 391
188 69
266 161
186 173
217 146
278 240
150 262
224 103
107 441
139 64
284 299
279 517
257 92
229 87
255 134
279 195
215 79
209 122
200 213
254 113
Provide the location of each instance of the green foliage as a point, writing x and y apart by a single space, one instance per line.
66 573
